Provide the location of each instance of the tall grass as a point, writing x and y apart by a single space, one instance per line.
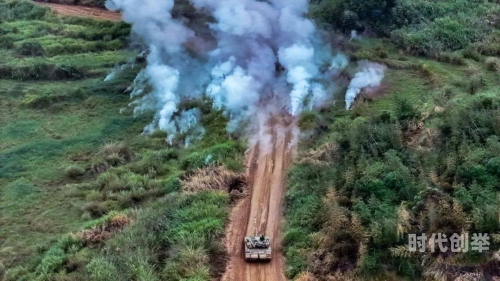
351 209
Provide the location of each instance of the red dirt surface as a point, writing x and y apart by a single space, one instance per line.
263 209
80 11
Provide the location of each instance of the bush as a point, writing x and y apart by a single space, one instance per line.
83 47
52 262
406 110
42 71
30 49
140 267
46 100
419 27
21 10
74 171
116 31
101 269
173 184
350 15
89 3
475 83
7 42
18 273
471 53
110 182
444 34
493 64
95 209
214 179
452 58
218 153
130 198
154 163
112 155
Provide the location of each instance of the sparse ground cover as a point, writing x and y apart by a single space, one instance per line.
416 157
83 194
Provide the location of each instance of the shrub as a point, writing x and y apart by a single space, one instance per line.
74 171
7 42
111 155
30 49
69 241
89 3
101 269
95 209
52 262
475 83
218 153
406 110
110 182
18 273
21 10
214 179
104 230
452 58
37 101
62 72
173 184
94 195
129 198
358 14
45 100
471 53
493 64
140 266
42 71
154 162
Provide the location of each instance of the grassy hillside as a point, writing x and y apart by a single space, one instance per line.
419 156
83 196
89 3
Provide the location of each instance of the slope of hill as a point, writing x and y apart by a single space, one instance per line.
418 156
85 196
74 170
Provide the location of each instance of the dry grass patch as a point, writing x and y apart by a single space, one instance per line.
493 64
104 231
112 155
321 156
214 178
306 276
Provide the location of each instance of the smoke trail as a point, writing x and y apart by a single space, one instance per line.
370 76
245 53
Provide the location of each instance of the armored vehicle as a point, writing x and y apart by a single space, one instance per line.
257 248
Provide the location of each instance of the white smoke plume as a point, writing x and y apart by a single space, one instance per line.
354 35
370 76
245 53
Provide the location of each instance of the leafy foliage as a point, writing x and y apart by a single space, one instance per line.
354 215
419 27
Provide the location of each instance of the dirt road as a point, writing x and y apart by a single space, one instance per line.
267 162
80 11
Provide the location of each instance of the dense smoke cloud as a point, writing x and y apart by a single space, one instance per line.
242 54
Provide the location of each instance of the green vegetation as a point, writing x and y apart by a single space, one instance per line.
419 27
418 157
83 195
90 3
